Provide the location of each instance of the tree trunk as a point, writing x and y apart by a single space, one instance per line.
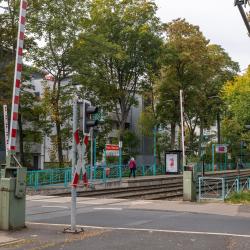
59 143
173 135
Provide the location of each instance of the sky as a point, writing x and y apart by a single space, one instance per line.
219 20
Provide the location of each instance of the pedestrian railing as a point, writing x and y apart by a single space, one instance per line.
63 176
214 188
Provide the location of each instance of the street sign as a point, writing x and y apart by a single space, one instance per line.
112 150
221 148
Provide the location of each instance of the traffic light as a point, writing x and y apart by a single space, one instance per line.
88 112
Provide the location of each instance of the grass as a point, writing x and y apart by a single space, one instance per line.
241 197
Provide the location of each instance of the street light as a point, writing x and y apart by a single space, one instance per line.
239 4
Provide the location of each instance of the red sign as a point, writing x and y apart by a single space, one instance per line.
112 147
221 149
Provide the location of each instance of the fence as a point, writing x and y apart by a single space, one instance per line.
214 188
63 176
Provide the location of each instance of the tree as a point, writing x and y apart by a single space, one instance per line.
56 24
121 43
196 67
235 94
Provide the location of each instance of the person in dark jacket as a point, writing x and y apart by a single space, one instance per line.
132 167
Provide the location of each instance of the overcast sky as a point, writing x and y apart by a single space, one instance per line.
219 20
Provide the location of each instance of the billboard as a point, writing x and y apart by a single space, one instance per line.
171 163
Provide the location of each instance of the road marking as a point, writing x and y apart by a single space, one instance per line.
51 201
108 208
145 230
55 207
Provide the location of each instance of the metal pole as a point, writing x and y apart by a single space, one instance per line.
94 157
91 153
73 189
182 129
213 157
154 169
6 128
120 159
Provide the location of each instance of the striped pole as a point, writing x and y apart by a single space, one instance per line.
17 77
81 163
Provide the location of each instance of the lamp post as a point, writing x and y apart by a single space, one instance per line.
239 4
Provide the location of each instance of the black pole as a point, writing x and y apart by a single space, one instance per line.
218 128
244 17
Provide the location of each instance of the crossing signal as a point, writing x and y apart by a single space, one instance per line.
88 119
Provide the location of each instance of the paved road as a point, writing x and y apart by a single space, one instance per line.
126 224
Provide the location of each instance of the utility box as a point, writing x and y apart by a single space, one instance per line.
189 184
12 198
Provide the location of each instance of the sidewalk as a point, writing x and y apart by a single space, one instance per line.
42 237
219 208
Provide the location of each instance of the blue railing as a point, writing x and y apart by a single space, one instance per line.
63 176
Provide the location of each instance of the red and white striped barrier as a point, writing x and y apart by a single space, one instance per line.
17 76
81 163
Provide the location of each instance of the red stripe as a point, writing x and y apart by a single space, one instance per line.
19 67
24 6
22 20
21 35
86 140
20 51
13 148
13 133
16 99
76 136
18 82
85 179
15 116
75 181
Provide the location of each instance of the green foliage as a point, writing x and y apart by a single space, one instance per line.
116 51
199 69
239 198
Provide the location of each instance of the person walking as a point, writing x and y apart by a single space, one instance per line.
132 166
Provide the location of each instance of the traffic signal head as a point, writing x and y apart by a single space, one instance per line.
88 112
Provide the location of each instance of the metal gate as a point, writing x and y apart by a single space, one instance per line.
211 188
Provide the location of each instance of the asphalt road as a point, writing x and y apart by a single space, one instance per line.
118 224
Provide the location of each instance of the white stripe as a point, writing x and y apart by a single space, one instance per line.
13 141
14 124
22 29
23 13
15 107
146 230
20 43
17 92
18 76
55 206
108 208
20 59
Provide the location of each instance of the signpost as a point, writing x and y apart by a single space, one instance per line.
219 149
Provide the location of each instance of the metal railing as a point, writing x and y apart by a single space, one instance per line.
63 176
214 188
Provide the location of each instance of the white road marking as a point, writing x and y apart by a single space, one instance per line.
108 208
145 230
51 201
55 206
